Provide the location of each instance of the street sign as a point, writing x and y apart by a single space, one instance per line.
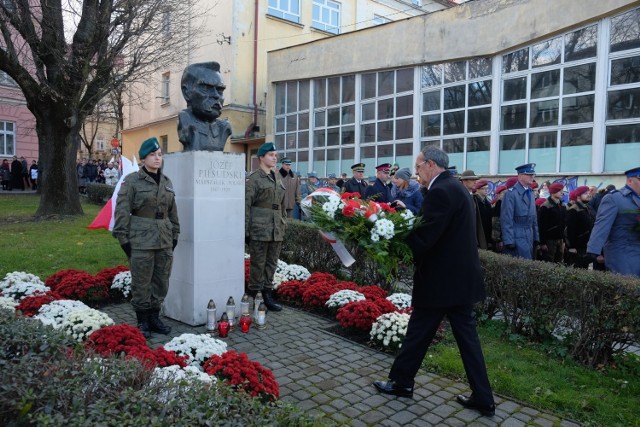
114 151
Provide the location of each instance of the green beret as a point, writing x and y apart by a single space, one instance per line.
265 148
285 161
148 146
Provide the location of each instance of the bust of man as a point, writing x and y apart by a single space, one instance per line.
198 125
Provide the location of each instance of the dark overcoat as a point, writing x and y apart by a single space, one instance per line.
379 191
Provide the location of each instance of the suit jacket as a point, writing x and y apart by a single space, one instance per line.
447 265
379 191
353 186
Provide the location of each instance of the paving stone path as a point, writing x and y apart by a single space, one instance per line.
331 377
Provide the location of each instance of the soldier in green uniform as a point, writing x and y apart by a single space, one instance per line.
147 228
265 222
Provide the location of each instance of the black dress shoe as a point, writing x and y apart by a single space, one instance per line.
390 387
470 402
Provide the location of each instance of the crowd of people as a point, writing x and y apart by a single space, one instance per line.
96 171
18 174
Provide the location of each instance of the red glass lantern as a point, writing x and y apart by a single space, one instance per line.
245 322
224 326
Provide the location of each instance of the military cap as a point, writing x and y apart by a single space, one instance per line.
358 167
148 146
285 161
385 167
453 170
511 181
331 175
580 191
468 174
527 169
633 172
265 148
540 201
555 187
312 174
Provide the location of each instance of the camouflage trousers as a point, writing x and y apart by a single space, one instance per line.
264 261
150 271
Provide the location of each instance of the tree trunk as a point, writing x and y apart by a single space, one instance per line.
58 180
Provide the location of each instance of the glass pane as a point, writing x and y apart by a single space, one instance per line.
280 124
577 109
546 53
514 89
303 139
451 146
453 123
334 90
347 160
404 128
368 133
431 101
333 136
303 162
542 151
279 142
303 94
318 160
319 138
625 31
303 121
348 114
385 154
368 111
368 83
319 93
581 44
280 98
404 155
333 116
292 122
545 84
368 157
291 141
385 83
479 120
454 97
542 140
385 109
320 119
623 104
431 75
292 97
333 162
581 78
404 80
511 153
480 93
404 106
516 61
478 154
430 125
454 71
385 131
9 145
575 150
480 67
625 70
621 140
513 117
348 135
544 113
348 88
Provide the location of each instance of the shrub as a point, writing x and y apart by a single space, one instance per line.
358 316
99 193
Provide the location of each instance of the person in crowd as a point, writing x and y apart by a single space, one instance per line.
496 227
311 185
544 190
480 192
380 191
5 175
331 183
82 177
147 228
616 230
265 223
395 167
33 175
100 179
16 174
447 282
357 184
91 171
595 200
453 170
342 180
26 182
406 191
518 218
469 179
535 188
292 187
580 219
551 224
111 175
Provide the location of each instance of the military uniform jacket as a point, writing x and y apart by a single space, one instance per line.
580 219
519 221
353 186
292 189
614 232
265 213
551 220
146 214
379 192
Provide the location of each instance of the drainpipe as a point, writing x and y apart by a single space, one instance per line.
255 71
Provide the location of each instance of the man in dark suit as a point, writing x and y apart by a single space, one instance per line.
447 281
357 184
380 191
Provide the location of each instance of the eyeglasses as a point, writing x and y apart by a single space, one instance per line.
420 164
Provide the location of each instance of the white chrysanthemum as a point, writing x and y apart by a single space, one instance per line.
400 300
281 266
295 272
55 312
176 373
390 329
277 279
331 206
19 290
343 297
374 236
82 323
19 277
408 216
384 228
198 347
246 256
122 282
8 303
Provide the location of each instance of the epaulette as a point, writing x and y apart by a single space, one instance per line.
252 173
510 189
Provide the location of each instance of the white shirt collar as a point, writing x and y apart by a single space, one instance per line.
431 182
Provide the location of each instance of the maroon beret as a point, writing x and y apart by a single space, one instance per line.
572 195
511 181
540 201
500 189
581 190
555 187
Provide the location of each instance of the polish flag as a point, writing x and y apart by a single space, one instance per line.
105 217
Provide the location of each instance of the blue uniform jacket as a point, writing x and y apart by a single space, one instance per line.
519 221
379 191
614 232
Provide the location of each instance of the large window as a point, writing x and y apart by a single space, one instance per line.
7 138
326 16
165 85
285 9
547 106
293 122
456 111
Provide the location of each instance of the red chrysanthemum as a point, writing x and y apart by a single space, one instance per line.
29 306
319 277
106 275
385 305
54 280
359 315
82 286
291 291
344 285
373 292
316 296
164 358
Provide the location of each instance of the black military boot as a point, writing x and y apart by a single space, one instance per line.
143 323
156 325
269 301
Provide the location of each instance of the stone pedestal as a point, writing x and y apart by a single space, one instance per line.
209 260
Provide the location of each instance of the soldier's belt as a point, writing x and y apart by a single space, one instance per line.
150 215
267 206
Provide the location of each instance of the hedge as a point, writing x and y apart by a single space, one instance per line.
99 193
